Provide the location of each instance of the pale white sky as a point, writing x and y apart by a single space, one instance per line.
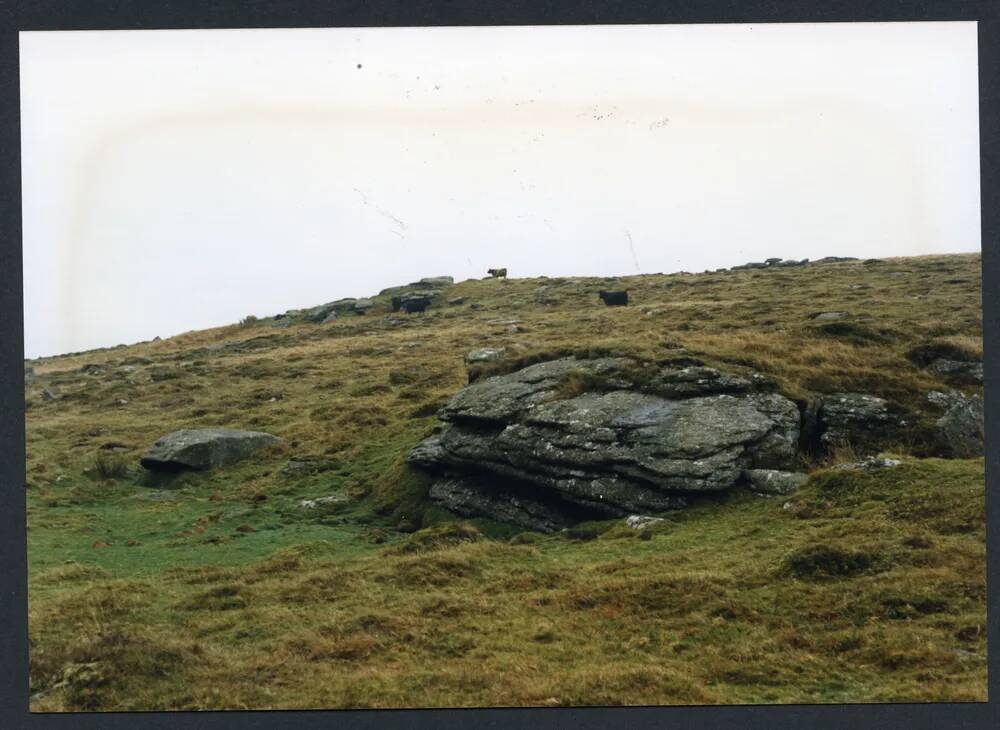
177 180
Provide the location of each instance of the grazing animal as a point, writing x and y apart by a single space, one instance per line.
497 273
397 302
614 298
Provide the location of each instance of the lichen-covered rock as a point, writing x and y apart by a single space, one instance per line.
328 312
854 418
435 282
203 448
957 371
828 316
774 481
641 522
872 463
959 432
485 354
611 437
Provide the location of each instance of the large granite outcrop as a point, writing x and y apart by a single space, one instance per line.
603 437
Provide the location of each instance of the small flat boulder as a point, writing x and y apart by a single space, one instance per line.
957 371
830 316
435 282
872 463
641 522
485 354
773 481
203 448
318 502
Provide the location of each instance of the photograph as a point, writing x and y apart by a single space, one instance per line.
503 366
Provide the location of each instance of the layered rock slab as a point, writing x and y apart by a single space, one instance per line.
633 440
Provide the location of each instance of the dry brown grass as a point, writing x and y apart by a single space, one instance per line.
170 604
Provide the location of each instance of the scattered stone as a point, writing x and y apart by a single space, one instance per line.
835 259
502 321
872 463
50 394
435 282
543 295
826 316
281 323
773 481
485 354
956 371
853 418
959 432
349 305
456 301
306 467
641 522
158 496
203 448
92 369
323 501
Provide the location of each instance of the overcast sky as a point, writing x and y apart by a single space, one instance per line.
177 180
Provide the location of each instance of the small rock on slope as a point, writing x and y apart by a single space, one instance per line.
203 448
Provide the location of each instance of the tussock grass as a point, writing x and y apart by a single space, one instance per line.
150 593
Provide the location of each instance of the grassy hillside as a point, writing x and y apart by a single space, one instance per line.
220 590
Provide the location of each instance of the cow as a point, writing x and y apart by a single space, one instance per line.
497 273
614 298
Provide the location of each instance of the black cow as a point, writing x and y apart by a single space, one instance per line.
497 273
614 298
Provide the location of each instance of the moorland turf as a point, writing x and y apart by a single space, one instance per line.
220 590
